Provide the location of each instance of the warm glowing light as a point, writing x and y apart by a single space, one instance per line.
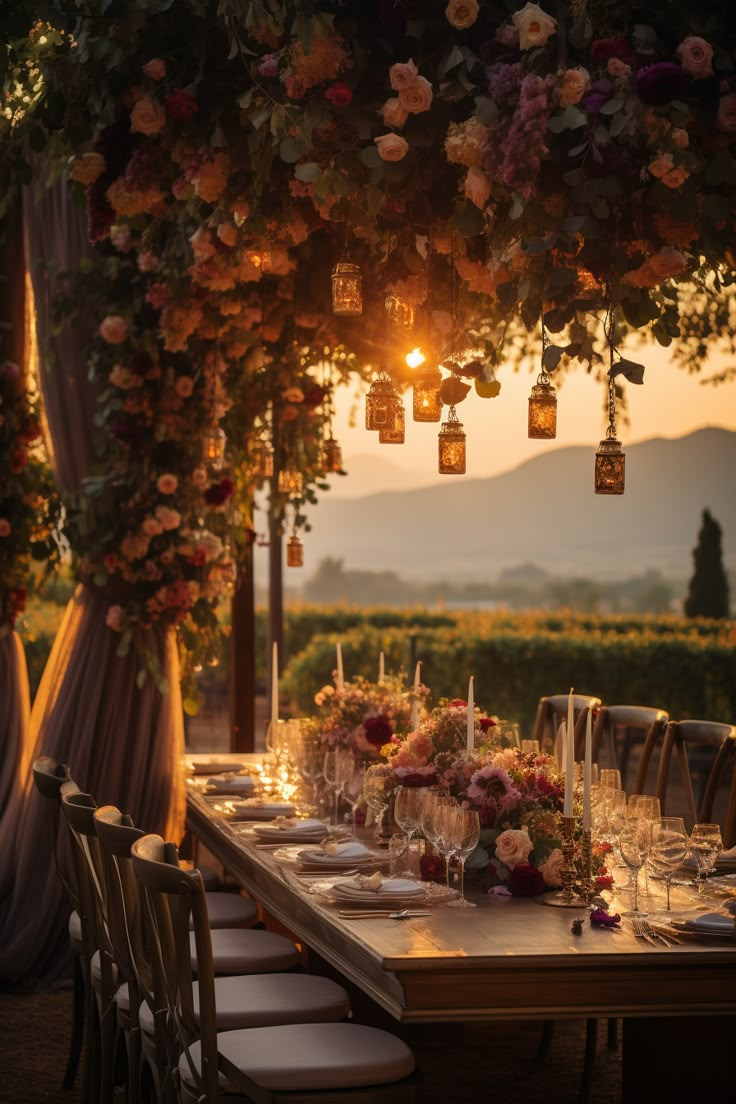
415 358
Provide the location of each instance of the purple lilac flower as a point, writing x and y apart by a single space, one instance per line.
525 144
661 83
598 94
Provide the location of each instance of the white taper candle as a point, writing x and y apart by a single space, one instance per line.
415 703
569 754
340 680
588 769
471 717
275 682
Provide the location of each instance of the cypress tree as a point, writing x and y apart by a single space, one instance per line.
708 590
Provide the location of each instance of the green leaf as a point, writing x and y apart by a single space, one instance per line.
370 156
633 372
552 356
451 61
610 107
485 110
309 171
569 119
291 149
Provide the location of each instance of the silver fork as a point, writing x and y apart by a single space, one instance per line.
641 932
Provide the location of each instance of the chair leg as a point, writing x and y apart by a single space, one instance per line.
545 1041
75 1043
612 1034
591 1043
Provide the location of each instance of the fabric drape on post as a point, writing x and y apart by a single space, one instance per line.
15 705
123 743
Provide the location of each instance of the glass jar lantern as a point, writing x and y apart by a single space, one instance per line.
394 434
427 406
542 424
380 402
347 288
399 312
261 455
294 552
452 446
332 455
291 482
610 467
215 443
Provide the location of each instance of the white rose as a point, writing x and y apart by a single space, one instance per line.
551 868
534 26
477 187
513 847
401 74
391 147
417 96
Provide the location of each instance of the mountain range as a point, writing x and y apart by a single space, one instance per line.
544 511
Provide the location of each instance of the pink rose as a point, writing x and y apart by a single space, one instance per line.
477 187
167 483
574 84
402 74
155 69
170 519
268 66
147 116
726 120
114 618
201 243
417 96
462 13
676 177
618 68
394 115
87 167
5 527
551 869
667 262
534 26
680 138
507 35
227 232
513 847
696 56
391 147
184 386
661 165
152 527
113 329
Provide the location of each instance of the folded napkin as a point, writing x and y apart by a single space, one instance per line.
363 888
257 808
287 824
370 882
214 766
337 853
711 923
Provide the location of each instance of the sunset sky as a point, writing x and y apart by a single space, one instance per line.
670 403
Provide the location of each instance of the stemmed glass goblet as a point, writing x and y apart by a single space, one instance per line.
377 794
408 811
464 832
669 848
634 843
705 846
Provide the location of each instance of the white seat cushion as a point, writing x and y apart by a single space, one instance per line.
312 1057
230 910
75 932
244 951
262 1000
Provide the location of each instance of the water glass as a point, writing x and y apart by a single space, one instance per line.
634 843
463 826
669 848
705 846
611 779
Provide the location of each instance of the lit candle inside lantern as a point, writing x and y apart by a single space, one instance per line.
471 717
415 703
588 769
340 681
569 754
275 683
381 668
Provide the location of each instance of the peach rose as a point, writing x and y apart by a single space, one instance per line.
5 527
200 477
696 57
402 74
114 618
514 845
170 519
394 115
391 147
462 13
573 87
417 96
680 137
87 167
167 483
227 233
676 177
152 527
551 868
477 187
661 165
184 386
726 120
155 69
202 244
617 68
535 27
113 329
667 262
148 116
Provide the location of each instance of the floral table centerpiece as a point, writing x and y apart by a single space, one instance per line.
365 716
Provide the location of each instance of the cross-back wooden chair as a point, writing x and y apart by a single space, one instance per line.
315 1062
715 745
619 728
552 711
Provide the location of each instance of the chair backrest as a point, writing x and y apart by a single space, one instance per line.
718 743
552 711
619 727
49 776
171 896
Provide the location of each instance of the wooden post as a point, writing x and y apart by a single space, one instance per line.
275 591
243 657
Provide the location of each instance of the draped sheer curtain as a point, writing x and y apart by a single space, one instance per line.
123 744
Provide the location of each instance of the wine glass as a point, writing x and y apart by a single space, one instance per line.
442 816
429 817
354 791
377 794
611 779
669 848
345 772
634 843
464 832
408 810
705 846
647 807
329 772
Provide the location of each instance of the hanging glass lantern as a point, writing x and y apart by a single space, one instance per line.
452 446
610 459
543 409
291 482
332 455
261 455
380 402
294 552
347 288
399 312
215 443
260 258
427 403
394 434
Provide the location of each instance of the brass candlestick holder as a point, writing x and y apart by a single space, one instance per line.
587 885
567 897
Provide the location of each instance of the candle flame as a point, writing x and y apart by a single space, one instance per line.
415 358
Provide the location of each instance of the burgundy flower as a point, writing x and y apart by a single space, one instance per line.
18 460
661 83
603 881
603 49
603 919
432 868
417 781
526 881
458 703
486 723
180 106
314 395
100 215
378 731
218 493
598 94
339 94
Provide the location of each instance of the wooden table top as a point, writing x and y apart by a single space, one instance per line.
509 958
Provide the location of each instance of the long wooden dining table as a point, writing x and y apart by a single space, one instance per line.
507 959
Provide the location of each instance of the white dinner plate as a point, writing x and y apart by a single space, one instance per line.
250 808
214 766
711 923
